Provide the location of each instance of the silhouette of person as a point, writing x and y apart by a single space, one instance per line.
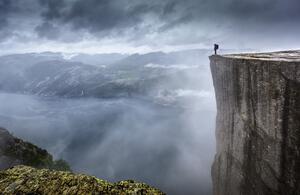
216 47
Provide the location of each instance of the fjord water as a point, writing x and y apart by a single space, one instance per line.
170 146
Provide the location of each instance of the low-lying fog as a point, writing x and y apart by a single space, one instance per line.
166 141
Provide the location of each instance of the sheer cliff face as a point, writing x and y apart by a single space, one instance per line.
258 123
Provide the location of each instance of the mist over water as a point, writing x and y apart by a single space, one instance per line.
156 125
168 147
122 89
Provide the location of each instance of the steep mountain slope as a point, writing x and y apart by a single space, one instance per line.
14 151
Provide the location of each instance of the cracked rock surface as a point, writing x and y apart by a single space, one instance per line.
258 123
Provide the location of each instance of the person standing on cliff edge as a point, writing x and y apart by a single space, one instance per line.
216 47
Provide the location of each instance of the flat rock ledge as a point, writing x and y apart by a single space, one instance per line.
279 56
27 180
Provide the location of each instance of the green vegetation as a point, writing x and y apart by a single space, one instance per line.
31 155
60 165
54 176
28 180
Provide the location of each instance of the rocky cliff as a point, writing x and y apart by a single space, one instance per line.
258 123
55 178
14 151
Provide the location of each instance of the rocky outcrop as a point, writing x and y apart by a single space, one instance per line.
14 151
56 178
258 123
27 180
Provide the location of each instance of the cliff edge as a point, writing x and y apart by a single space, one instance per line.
258 123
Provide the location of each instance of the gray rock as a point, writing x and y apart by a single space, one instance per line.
258 123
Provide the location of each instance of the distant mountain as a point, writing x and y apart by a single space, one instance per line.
97 59
12 68
61 78
190 57
52 74
16 63
72 79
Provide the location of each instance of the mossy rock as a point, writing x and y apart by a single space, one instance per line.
28 180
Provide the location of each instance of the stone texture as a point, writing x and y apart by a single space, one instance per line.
28 180
258 123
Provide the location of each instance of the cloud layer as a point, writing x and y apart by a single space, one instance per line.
151 23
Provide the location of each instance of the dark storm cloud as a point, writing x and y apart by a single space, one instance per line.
134 20
106 14
96 16
11 9
4 9
15 14
48 30
112 16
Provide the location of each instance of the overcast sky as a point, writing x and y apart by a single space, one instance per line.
96 26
